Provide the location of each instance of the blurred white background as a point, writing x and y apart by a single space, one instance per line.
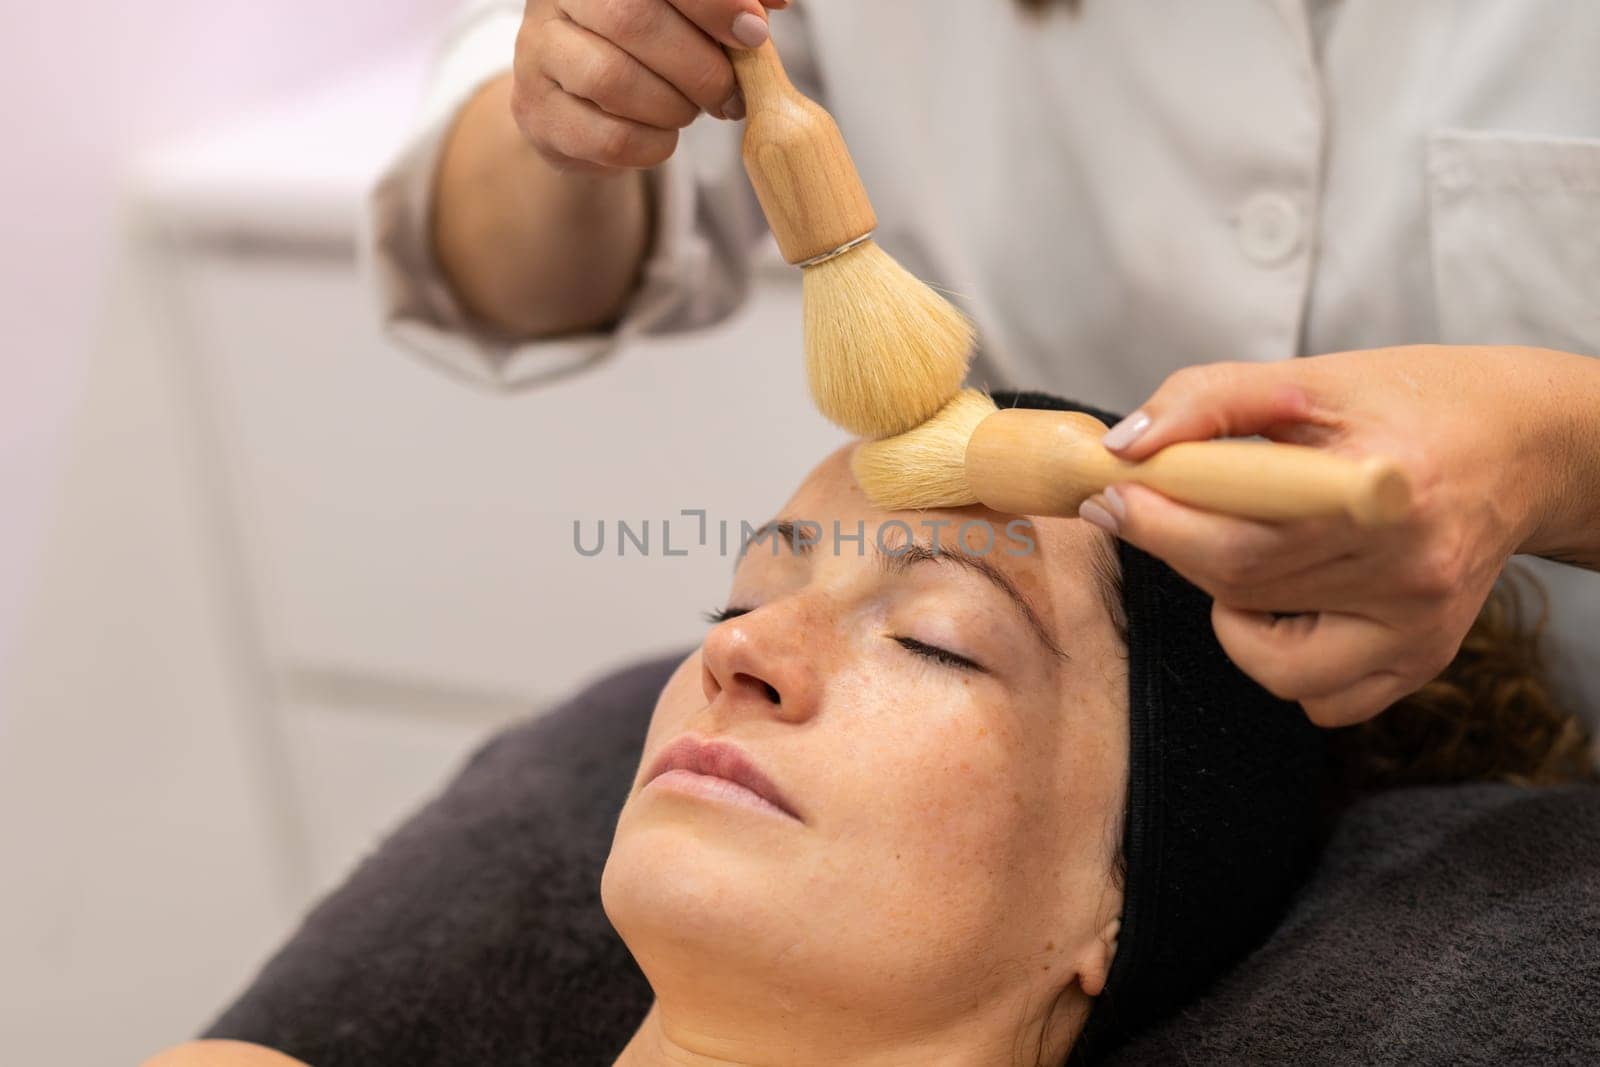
265 579
87 86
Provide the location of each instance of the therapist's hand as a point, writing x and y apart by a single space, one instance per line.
607 84
541 214
1501 446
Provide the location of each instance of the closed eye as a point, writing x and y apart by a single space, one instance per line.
939 655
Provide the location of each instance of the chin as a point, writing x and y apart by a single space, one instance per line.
672 886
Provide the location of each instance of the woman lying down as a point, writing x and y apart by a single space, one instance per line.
980 792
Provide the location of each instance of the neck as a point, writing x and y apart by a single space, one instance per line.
997 1038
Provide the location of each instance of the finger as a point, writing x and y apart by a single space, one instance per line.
579 132
734 23
1213 400
1370 697
1351 585
1229 557
659 36
590 67
1307 657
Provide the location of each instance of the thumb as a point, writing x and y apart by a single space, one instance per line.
1212 400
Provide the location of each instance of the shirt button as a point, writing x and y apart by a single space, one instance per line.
1270 229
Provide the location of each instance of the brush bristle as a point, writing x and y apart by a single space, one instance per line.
884 352
925 467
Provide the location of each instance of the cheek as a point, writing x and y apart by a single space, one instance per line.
938 836
932 778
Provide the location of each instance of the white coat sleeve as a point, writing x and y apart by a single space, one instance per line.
708 226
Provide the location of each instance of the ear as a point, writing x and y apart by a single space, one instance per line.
1094 966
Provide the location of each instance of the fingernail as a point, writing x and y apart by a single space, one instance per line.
1114 503
1091 512
751 30
1126 432
734 108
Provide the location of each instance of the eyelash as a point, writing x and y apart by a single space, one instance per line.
942 656
721 615
939 655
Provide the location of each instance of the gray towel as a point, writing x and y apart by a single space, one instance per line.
1453 926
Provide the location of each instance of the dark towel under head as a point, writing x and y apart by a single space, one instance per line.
1454 926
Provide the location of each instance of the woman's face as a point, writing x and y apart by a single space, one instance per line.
945 736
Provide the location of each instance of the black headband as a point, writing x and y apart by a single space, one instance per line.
1225 787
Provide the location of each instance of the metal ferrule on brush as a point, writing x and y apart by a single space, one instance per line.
848 246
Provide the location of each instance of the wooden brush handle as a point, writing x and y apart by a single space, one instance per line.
797 160
1036 462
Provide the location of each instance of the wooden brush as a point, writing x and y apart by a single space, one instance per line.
1033 462
884 352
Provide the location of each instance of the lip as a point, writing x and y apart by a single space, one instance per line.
718 760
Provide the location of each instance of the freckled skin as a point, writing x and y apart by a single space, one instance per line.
954 822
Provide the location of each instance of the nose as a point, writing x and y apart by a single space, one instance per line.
765 663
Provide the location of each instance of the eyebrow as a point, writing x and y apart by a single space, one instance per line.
898 561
